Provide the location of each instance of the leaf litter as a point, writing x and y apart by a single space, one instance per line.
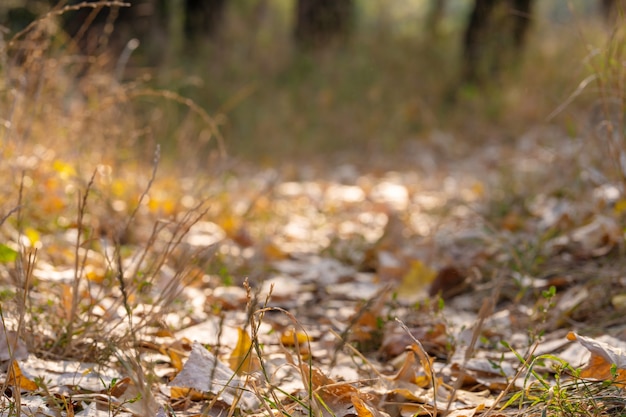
419 284
362 296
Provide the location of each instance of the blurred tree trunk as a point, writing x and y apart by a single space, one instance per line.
494 38
319 22
608 8
174 19
434 17
203 18
612 10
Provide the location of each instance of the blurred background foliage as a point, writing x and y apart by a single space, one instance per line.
361 77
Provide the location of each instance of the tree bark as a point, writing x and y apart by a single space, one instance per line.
320 22
494 37
203 18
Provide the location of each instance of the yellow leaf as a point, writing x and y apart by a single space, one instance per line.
229 224
65 170
16 378
620 207
163 333
418 277
162 205
189 393
362 410
292 338
94 274
32 235
175 359
409 409
241 359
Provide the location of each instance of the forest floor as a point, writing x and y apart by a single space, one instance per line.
462 272
454 279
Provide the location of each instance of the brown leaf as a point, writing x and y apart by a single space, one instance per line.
416 368
607 363
119 388
336 395
362 408
434 337
448 282
16 378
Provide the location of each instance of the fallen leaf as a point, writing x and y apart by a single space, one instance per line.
205 373
598 237
607 362
15 377
242 359
11 346
447 283
363 409
32 235
175 359
396 339
119 388
414 371
293 338
336 396
177 393
418 277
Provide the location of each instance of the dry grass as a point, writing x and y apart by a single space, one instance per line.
92 235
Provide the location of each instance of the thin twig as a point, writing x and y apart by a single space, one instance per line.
144 194
59 12
78 265
170 95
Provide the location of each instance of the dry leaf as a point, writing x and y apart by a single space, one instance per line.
447 283
415 372
242 359
191 394
205 373
15 377
363 409
175 359
119 388
598 237
418 277
293 338
11 346
607 363
338 396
